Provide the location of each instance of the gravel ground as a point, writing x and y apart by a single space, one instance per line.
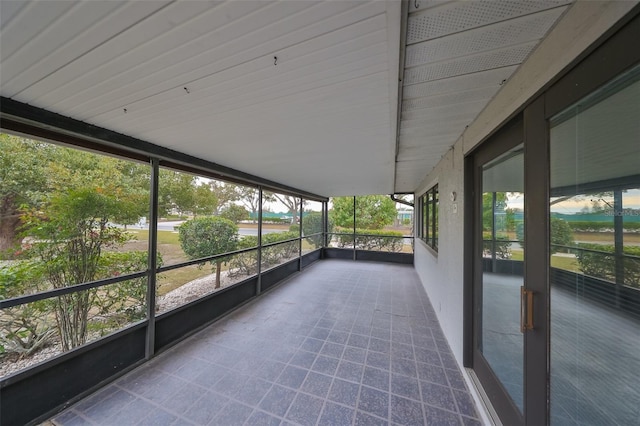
12 362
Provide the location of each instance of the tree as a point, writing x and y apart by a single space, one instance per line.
23 182
176 191
292 204
561 234
250 198
70 239
225 193
234 213
205 200
372 211
208 236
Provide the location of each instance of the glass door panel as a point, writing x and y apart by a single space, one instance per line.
500 340
595 258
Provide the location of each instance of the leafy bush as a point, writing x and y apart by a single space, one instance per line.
273 255
601 263
584 226
371 239
26 328
502 245
561 234
208 236
312 224
234 213
245 263
294 228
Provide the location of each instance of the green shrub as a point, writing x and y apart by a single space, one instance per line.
26 328
371 239
590 226
601 263
312 224
208 236
295 228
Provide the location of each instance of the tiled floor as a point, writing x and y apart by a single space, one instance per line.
343 343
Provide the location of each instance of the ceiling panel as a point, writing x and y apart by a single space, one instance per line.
202 77
458 56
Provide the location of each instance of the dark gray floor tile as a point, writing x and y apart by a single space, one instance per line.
303 359
465 403
316 384
277 400
305 409
231 384
363 329
374 401
158 417
206 408
448 360
183 398
76 420
292 377
438 396
335 415
312 345
319 333
432 373
284 354
270 370
325 365
131 413
376 378
400 350
380 333
404 366
365 419
379 345
339 337
400 337
193 369
233 414
248 364
428 356
405 386
64 417
165 389
354 354
358 341
108 407
350 371
344 392
253 391
405 411
438 417
260 418
96 397
332 349
378 360
325 323
210 376
455 379
468 421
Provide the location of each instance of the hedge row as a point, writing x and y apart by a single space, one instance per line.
247 263
602 264
602 226
371 239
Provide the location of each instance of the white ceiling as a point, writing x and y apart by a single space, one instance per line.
201 78
458 55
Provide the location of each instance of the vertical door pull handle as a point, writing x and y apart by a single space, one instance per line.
526 309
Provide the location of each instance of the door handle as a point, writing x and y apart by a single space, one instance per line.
526 309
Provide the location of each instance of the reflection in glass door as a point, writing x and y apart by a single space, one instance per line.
501 341
595 258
